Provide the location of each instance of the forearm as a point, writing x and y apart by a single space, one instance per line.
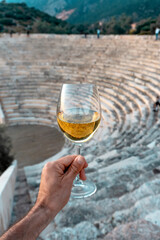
54 192
30 226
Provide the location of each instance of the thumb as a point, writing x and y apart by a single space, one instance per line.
77 165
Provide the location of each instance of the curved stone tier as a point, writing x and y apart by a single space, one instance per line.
124 155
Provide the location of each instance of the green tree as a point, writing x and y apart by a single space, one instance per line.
80 28
1 28
125 23
5 147
7 22
145 26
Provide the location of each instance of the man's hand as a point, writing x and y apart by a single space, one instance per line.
56 182
54 192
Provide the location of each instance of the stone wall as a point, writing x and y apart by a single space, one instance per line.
7 186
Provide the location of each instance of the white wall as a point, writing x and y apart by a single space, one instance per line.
7 186
2 117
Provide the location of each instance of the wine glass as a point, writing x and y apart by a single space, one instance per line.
78 116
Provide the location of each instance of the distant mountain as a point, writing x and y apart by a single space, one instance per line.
91 11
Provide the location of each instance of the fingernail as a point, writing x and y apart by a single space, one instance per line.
80 160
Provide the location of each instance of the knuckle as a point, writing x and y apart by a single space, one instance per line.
48 165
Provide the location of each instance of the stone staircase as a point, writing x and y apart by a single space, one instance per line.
124 155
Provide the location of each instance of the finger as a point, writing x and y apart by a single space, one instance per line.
67 160
76 167
85 165
82 175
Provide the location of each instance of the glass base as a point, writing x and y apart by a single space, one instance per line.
82 189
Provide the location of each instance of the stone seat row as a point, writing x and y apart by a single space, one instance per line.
147 115
80 48
35 111
106 96
129 68
123 65
136 69
31 89
39 112
154 77
78 61
134 85
130 125
97 68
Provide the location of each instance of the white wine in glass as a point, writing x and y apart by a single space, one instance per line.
78 116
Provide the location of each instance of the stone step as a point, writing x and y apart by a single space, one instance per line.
22 202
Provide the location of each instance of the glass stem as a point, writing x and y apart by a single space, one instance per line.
78 149
77 180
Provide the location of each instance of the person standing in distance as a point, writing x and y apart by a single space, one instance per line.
157 33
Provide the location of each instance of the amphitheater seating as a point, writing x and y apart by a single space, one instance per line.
126 70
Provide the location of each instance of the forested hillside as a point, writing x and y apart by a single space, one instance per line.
17 17
91 11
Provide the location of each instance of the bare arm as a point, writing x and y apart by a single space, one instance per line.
54 192
30 226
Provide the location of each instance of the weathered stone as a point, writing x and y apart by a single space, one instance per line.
154 217
86 231
76 214
141 208
65 234
140 230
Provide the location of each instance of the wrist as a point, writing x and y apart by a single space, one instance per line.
44 208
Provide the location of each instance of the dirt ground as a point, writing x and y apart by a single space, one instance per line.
34 143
